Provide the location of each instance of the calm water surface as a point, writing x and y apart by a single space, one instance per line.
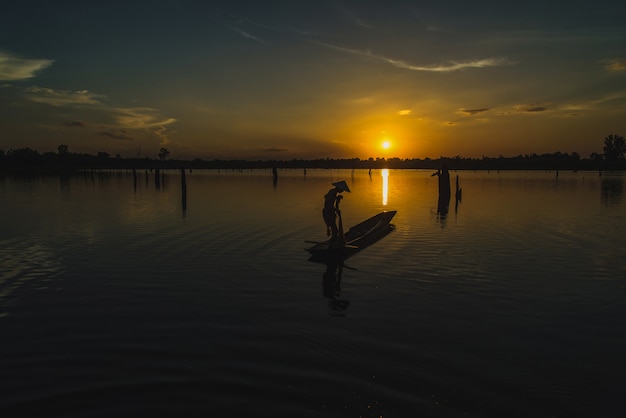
114 301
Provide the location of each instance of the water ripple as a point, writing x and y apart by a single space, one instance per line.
27 265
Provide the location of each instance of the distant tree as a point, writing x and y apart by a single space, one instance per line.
63 149
163 153
23 156
103 155
614 148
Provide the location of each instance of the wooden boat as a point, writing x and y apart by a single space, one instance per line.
357 238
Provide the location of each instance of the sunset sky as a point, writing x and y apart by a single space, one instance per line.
312 79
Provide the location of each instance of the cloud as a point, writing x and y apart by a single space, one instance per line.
618 95
236 23
357 20
75 124
144 118
362 101
140 118
248 35
13 68
533 109
450 66
404 112
617 64
118 119
125 117
472 112
62 97
305 32
121 135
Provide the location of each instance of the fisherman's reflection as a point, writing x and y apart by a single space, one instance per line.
331 286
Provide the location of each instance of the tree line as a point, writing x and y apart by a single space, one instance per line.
27 159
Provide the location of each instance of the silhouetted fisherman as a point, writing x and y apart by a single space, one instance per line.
331 209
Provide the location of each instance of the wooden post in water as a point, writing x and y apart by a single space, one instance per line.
183 185
458 195
135 180
443 202
157 178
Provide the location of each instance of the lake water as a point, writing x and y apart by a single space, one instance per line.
114 301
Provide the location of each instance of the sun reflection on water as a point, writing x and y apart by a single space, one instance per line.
385 174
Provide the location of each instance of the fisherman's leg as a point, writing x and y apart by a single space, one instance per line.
335 234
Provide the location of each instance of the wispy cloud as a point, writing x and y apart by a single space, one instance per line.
614 99
616 64
450 66
532 108
359 101
248 35
618 95
140 118
117 119
521 109
144 118
237 24
472 112
14 68
119 135
62 97
356 20
423 22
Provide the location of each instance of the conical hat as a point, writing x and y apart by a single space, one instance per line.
342 185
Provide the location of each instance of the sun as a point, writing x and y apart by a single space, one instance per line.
386 144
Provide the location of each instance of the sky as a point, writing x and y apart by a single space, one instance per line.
313 78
